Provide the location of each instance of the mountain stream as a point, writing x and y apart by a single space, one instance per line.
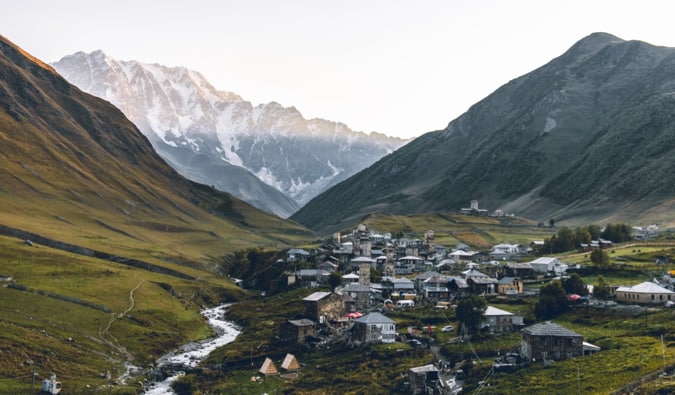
191 354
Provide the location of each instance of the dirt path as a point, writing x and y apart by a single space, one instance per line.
104 331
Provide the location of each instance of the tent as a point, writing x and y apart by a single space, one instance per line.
268 368
290 363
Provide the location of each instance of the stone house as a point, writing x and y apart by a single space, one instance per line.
296 255
297 331
518 269
360 293
482 285
324 306
374 328
550 341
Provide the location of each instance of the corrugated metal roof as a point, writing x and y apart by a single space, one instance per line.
374 318
646 287
495 311
316 296
549 328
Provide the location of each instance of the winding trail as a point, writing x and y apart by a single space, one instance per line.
104 331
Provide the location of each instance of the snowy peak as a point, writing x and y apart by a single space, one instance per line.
188 118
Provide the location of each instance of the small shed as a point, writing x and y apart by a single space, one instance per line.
290 363
268 368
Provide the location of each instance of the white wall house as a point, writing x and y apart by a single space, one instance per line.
646 292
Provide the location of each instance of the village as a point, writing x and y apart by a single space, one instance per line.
369 275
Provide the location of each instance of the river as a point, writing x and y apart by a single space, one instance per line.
191 354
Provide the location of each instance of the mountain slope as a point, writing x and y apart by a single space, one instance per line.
204 133
75 169
586 137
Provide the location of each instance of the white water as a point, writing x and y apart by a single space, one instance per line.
191 354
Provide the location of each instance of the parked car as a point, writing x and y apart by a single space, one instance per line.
448 328
415 343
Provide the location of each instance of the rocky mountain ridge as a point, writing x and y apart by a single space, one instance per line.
588 137
218 138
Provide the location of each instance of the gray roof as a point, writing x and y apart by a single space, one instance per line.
363 259
374 318
427 275
519 265
302 322
482 280
316 296
356 287
507 280
424 369
402 280
549 328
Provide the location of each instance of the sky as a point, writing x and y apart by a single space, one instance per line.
402 68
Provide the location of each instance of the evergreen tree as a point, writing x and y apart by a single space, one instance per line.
470 312
334 279
601 291
600 258
574 285
552 301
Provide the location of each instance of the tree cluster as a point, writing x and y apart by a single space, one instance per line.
574 284
552 301
568 239
617 233
600 259
259 270
470 313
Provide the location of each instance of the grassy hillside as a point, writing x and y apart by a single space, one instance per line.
79 316
451 229
586 138
123 252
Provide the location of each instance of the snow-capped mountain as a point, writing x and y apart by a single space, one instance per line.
203 132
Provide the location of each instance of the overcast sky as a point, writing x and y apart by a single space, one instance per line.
398 67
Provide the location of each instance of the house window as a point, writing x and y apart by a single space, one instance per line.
652 297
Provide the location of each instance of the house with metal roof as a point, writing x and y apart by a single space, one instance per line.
374 328
497 320
323 306
549 341
360 293
646 292
548 265
296 255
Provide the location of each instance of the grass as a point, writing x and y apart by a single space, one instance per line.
630 343
80 332
451 229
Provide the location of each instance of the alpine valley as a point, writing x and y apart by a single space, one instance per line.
93 221
267 155
587 138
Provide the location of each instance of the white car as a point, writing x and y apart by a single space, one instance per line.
448 328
